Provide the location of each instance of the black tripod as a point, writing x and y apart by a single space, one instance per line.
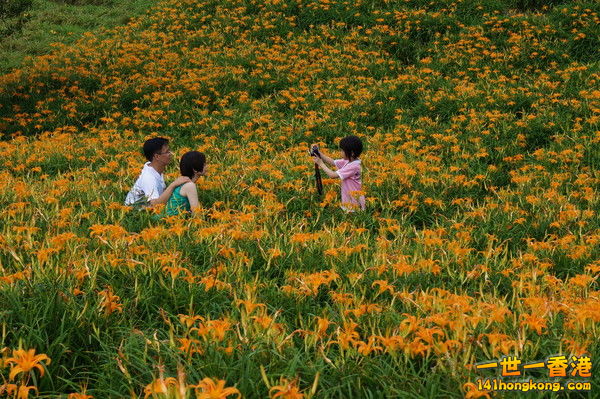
318 180
314 152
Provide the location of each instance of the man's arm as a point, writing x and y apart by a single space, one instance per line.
164 197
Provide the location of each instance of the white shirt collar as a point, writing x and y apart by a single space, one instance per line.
151 169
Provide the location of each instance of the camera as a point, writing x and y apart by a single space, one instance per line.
314 151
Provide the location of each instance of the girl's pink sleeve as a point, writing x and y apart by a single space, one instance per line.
348 170
339 163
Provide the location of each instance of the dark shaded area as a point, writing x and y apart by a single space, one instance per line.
86 2
13 14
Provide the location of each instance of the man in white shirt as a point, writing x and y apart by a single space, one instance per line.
150 188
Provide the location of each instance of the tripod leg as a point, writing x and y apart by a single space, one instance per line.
318 180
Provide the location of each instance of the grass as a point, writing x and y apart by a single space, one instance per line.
34 30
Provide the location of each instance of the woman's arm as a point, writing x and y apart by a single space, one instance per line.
191 192
164 197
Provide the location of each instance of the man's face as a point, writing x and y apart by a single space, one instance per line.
165 155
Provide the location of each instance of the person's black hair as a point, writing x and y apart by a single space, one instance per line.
352 146
153 146
191 161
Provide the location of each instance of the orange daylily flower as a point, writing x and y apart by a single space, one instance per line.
384 285
23 392
10 389
189 346
473 393
159 385
189 320
348 336
209 389
365 348
218 328
322 326
109 302
286 390
249 305
23 362
533 322
80 395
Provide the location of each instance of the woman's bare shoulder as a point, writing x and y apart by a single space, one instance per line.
186 187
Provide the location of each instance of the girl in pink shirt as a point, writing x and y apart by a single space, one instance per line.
348 171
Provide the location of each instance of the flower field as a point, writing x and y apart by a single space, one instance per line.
481 237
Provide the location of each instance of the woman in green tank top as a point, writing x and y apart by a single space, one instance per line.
185 197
